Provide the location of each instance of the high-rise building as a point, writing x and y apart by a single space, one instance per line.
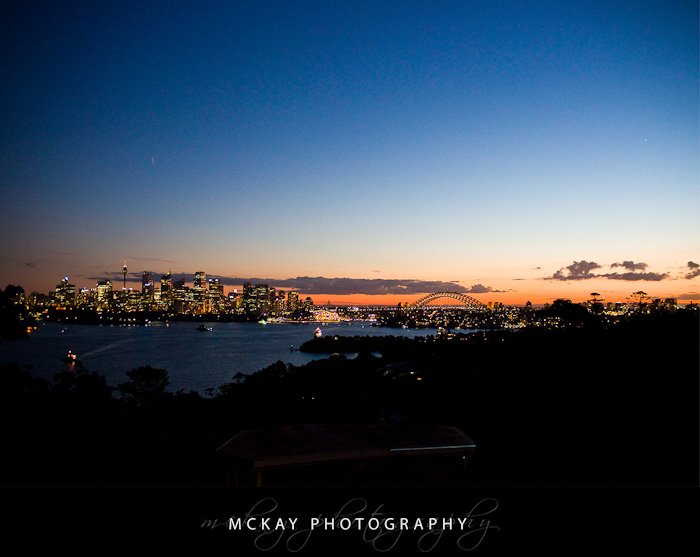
215 296
199 291
147 286
179 301
166 286
292 300
249 305
64 295
133 299
104 293
279 303
262 297
84 298
200 280
257 298
235 300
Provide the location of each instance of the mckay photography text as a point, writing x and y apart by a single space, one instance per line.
268 526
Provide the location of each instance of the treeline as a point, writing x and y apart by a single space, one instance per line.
579 406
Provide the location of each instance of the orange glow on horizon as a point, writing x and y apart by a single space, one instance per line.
539 293
507 298
540 298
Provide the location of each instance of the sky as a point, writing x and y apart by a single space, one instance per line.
514 150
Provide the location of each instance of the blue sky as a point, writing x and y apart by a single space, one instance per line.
469 141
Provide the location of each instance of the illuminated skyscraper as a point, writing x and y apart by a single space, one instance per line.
64 294
248 298
83 298
179 301
124 271
262 297
256 299
292 300
200 291
235 300
104 293
215 296
279 303
147 286
166 286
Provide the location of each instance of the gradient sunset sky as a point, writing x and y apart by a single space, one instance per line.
526 150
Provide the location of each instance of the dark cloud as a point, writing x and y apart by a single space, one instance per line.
339 286
321 285
518 279
635 276
581 270
481 289
131 276
689 296
152 259
694 270
631 265
578 270
31 264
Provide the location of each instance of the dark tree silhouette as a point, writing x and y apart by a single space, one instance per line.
596 303
13 316
639 297
146 385
571 314
83 386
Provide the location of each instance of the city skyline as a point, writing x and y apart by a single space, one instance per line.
376 291
523 152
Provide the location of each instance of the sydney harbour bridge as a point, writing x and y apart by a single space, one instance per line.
467 301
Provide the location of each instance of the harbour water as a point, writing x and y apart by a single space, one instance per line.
194 360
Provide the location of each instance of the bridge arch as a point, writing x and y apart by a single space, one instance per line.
468 301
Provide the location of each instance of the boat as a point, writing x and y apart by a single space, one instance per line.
204 328
71 360
318 332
